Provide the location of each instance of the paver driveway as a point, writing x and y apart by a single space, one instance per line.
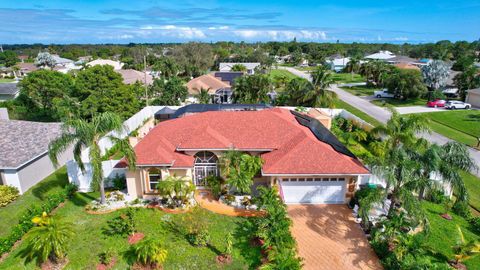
328 238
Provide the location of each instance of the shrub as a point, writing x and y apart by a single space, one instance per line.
71 189
462 209
119 182
475 222
436 196
199 238
106 257
195 224
229 198
8 194
122 225
177 189
216 185
149 251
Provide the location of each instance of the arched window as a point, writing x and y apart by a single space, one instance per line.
154 177
206 163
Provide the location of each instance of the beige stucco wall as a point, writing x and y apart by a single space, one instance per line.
474 99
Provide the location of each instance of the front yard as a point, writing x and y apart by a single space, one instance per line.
400 103
89 241
462 126
360 90
347 78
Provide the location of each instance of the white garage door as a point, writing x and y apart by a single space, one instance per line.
313 190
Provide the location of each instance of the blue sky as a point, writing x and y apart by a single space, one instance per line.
124 21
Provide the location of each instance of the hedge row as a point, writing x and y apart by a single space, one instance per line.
25 223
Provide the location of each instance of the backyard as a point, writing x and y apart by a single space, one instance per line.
462 126
89 240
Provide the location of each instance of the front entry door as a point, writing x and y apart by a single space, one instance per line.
201 172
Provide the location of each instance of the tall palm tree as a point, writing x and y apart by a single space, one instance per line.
318 95
82 134
353 65
446 160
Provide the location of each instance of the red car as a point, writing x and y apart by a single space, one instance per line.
436 103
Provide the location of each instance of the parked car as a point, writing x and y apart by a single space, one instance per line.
436 103
453 104
383 94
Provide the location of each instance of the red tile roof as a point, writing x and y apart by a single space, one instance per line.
289 148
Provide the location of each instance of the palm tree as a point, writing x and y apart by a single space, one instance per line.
318 95
84 134
48 240
203 96
446 160
150 251
353 65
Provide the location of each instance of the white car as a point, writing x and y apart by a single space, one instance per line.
383 94
453 105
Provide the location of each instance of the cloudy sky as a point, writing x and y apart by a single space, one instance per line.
124 21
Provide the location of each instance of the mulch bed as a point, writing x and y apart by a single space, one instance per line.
135 238
223 259
446 216
49 265
102 266
139 266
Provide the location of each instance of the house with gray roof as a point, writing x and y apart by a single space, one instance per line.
8 91
24 157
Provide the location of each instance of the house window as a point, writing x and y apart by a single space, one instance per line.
154 177
206 163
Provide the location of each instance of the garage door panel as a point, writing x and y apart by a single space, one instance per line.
314 192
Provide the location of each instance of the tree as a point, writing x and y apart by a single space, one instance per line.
48 240
101 89
193 58
203 96
169 92
166 66
318 95
406 84
239 67
239 169
252 89
45 59
353 66
8 58
447 161
45 88
435 74
82 134
468 79
463 63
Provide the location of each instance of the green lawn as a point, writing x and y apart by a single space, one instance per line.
10 214
6 80
89 240
347 78
473 187
278 73
462 126
339 104
361 90
443 234
400 103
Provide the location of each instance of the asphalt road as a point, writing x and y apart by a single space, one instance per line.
382 114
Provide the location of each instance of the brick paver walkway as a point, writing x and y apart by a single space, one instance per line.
329 239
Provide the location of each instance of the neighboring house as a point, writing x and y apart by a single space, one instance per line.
401 59
115 64
229 77
220 90
25 68
24 157
338 64
473 97
406 66
8 91
301 156
228 67
131 76
381 55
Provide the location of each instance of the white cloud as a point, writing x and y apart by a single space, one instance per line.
281 34
183 32
218 28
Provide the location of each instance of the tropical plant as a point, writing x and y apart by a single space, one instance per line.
176 189
353 66
319 95
8 194
229 244
149 251
435 74
252 89
366 203
239 169
48 240
82 134
465 249
203 96
239 67
216 184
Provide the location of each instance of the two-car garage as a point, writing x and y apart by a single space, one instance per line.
313 190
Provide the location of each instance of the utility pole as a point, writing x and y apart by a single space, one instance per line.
145 79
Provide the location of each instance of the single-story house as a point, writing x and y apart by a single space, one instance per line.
115 64
8 91
249 66
25 68
381 55
473 97
401 59
24 157
301 156
131 76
